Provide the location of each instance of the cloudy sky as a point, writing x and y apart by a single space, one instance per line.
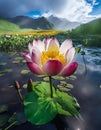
73 10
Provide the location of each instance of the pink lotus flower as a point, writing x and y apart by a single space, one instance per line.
47 57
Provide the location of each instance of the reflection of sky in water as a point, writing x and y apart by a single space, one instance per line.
87 90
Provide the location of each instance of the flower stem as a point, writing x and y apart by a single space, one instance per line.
50 81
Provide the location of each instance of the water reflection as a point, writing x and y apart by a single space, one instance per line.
86 89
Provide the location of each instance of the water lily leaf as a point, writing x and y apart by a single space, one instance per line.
72 77
16 62
3 63
24 61
63 89
19 58
25 71
58 78
46 78
3 119
63 82
8 70
3 108
18 117
40 108
66 104
69 86
2 74
25 86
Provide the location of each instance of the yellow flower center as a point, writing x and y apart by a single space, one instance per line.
52 55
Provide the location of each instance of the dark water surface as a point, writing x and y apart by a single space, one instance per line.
86 88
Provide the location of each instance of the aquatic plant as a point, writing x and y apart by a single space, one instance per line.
45 100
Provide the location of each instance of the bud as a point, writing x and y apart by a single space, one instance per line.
30 85
17 85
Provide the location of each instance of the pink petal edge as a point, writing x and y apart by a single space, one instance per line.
34 68
69 69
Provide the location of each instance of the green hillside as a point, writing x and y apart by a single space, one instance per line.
91 28
90 32
6 26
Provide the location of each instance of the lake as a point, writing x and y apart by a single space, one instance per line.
86 82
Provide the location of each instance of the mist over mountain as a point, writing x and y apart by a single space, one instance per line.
62 23
28 22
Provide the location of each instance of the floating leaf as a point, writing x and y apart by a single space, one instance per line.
3 108
2 74
63 82
58 78
3 63
8 70
46 78
66 104
24 61
40 109
63 89
3 119
16 62
25 86
25 71
72 77
70 86
19 58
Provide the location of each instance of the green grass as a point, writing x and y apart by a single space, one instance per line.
6 26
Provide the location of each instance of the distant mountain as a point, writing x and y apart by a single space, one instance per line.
28 22
92 28
62 23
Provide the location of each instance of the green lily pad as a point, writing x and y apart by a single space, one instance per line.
40 109
46 78
3 63
2 74
24 61
58 77
25 71
8 70
19 58
63 89
66 104
3 108
16 62
25 86
72 77
3 119
69 86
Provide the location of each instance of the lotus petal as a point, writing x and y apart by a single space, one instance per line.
53 45
70 55
34 68
52 67
65 46
69 69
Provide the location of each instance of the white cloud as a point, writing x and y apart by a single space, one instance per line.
75 10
